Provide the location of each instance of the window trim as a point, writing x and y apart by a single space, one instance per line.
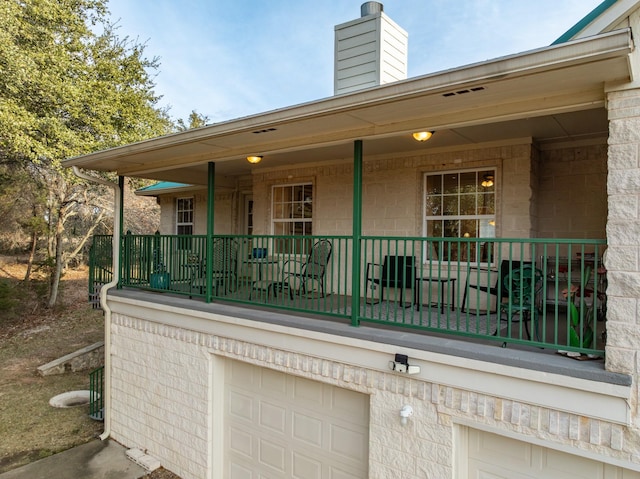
491 217
178 211
274 221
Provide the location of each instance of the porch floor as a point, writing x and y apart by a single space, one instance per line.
338 306
406 314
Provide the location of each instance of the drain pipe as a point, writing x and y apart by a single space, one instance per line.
103 296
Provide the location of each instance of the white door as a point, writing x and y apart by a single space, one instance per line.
496 457
282 426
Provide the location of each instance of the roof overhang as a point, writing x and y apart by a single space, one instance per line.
552 94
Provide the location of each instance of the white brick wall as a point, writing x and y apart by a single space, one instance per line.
160 387
162 403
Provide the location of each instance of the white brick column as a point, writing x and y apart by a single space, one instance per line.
623 233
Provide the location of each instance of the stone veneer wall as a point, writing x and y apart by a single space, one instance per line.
163 385
623 236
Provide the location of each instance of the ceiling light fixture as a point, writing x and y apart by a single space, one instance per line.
254 159
422 135
487 181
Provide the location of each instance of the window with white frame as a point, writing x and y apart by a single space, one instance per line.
292 215
184 216
461 204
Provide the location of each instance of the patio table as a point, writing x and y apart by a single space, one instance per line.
450 284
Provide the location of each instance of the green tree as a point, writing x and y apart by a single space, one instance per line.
196 120
68 86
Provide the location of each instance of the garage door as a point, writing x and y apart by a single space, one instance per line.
282 426
496 457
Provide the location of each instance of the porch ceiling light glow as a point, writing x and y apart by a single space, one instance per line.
254 159
422 135
487 181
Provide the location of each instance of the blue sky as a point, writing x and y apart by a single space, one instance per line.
231 58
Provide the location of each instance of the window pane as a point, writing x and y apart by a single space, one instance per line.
469 228
434 184
433 206
185 229
486 204
450 205
487 228
450 183
468 182
434 229
486 180
468 204
451 228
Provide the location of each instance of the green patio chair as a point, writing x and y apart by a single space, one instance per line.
522 286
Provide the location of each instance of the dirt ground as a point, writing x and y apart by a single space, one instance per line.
31 335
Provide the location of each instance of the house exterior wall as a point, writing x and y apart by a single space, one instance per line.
224 213
167 390
623 236
553 193
572 200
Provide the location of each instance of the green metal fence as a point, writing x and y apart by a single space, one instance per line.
100 266
548 293
96 397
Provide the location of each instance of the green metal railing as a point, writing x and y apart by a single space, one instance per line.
100 266
96 397
546 293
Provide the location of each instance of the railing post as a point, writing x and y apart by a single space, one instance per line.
121 223
211 180
357 233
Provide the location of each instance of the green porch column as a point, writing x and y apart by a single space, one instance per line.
211 181
123 252
356 266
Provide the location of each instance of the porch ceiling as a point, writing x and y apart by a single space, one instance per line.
552 94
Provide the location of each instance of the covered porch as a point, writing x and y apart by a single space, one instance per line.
402 254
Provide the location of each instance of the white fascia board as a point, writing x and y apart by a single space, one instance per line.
604 401
608 45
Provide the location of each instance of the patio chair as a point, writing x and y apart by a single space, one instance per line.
394 272
297 275
522 285
475 282
225 267
225 264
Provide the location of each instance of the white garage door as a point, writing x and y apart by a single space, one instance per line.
282 426
497 457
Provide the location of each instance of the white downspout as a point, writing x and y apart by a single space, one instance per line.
103 296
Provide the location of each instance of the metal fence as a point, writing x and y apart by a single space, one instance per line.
548 293
96 396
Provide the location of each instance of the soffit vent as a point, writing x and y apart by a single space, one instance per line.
266 130
463 92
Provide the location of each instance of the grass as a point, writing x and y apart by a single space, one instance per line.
31 335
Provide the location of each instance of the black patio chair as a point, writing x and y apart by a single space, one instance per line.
394 272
